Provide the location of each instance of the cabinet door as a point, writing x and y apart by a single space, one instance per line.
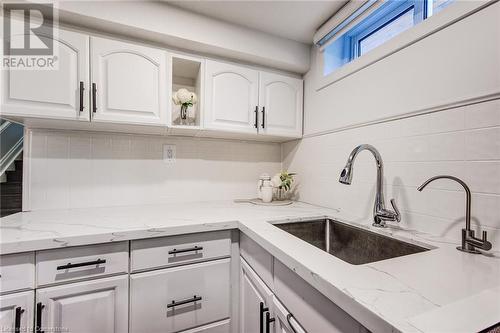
16 312
285 322
98 306
280 100
253 292
130 83
52 93
180 298
231 96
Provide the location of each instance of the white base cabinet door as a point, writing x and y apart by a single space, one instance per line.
16 312
255 300
284 321
96 306
129 83
231 97
280 101
58 93
180 298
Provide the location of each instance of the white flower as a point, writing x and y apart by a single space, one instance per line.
184 95
175 99
276 180
194 98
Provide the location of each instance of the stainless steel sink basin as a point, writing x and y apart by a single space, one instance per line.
352 244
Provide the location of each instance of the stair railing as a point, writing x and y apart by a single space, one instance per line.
11 143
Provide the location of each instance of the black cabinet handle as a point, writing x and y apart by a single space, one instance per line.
269 320
17 320
262 310
256 124
38 326
263 117
191 249
94 102
81 264
81 95
184 301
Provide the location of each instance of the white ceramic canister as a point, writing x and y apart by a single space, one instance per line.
267 191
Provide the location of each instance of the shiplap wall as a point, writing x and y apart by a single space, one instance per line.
462 141
83 169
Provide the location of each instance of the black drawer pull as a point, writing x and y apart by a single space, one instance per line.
263 117
17 319
184 301
38 326
191 249
262 310
94 97
269 320
81 264
256 124
81 95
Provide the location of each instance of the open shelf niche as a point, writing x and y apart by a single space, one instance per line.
187 73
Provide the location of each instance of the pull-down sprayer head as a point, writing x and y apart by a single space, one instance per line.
346 174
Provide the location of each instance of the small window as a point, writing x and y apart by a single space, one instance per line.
386 22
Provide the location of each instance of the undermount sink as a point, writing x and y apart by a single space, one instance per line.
351 244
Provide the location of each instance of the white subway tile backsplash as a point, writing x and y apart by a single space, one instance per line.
483 144
463 142
82 169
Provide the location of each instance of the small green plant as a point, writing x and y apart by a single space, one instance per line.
283 180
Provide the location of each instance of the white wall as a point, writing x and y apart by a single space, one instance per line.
159 22
459 62
82 169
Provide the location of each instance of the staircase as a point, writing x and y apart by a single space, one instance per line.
11 191
11 167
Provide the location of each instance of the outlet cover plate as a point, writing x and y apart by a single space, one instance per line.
169 154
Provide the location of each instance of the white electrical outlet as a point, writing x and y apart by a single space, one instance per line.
169 153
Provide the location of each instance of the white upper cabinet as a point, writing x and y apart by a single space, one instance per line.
129 83
231 97
244 100
280 101
60 93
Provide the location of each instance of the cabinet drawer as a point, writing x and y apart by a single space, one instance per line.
77 263
201 292
17 272
218 327
177 250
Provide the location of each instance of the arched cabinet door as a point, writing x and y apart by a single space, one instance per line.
231 96
58 92
280 105
129 83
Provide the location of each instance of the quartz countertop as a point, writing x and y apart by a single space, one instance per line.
442 290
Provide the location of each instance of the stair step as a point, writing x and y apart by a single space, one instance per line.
18 164
11 188
14 176
5 212
13 201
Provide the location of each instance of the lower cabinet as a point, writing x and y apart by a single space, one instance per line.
16 312
97 306
255 297
260 309
181 298
275 299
